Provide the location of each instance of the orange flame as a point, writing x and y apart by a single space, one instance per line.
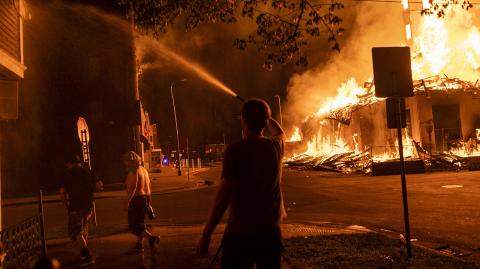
295 136
449 45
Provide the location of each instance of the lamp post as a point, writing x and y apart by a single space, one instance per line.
176 126
277 97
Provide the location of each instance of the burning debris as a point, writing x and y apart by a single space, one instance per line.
446 84
348 162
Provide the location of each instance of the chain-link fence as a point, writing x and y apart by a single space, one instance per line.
24 243
21 243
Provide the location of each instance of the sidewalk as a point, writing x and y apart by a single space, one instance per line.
167 181
308 245
176 249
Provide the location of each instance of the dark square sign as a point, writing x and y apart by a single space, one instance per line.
392 72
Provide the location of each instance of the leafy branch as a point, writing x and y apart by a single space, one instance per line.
439 8
283 27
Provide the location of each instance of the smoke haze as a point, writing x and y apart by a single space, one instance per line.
376 24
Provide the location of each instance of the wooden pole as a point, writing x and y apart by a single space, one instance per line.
42 224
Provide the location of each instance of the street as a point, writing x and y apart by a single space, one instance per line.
437 214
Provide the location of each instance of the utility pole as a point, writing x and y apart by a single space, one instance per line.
136 92
188 162
176 126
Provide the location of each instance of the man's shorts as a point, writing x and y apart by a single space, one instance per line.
137 210
78 222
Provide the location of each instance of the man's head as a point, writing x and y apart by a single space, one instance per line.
131 160
255 115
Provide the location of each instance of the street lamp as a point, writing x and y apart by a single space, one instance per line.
176 125
277 97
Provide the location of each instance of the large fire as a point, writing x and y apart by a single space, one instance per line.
447 46
441 46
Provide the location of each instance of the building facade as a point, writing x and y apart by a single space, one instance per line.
12 68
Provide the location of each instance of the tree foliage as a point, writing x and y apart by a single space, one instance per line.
283 27
439 8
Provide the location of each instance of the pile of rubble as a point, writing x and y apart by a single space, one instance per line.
348 162
441 161
354 162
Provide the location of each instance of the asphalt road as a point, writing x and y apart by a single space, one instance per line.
438 214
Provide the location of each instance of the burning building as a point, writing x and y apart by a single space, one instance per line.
443 117
349 132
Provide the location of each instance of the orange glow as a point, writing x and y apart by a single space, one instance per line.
449 45
327 146
347 94
295 136
408 150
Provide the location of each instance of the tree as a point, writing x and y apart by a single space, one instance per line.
439 7
283 27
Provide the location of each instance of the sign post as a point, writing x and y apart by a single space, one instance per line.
84 136
393 79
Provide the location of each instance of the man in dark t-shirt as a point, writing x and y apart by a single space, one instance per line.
76 191
251 187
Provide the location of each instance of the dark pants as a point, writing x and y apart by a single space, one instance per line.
136 214
242 251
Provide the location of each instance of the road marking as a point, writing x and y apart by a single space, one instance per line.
452 186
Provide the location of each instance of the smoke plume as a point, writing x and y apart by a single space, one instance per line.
376 24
